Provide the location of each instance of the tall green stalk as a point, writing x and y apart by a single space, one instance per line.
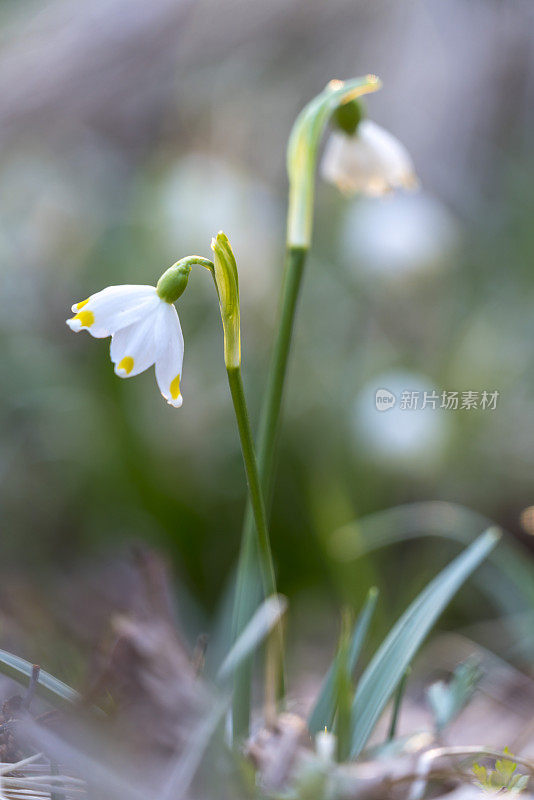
246 597
253 480
258 548
302 155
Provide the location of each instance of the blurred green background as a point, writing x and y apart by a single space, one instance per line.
130 133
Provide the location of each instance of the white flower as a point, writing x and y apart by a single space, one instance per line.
421 236
371 162
144 330
325 745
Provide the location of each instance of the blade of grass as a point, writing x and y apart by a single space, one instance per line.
344 691
48 687
263 621
390 662
325 708
399 694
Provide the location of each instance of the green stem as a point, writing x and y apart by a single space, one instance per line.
246 598
246 589
253 479
302 153
272 404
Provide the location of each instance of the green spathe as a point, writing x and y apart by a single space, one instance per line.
227 285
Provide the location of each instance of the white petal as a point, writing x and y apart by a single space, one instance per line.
372 162
346 164
396 164
170 343
134 348
115 307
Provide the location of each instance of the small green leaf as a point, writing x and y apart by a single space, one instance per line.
502 778
506 769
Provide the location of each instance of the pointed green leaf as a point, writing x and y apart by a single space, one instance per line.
507 577
386 669
254 633
325 707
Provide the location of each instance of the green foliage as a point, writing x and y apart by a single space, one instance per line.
507 577
393 657
264 620
502 778
344 691
324 710
391 662
447 700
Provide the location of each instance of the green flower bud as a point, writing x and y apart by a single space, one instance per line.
227 285
348 116
173 282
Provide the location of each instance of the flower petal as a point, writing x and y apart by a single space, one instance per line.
135 348
372 162
115 307
170 342
393 160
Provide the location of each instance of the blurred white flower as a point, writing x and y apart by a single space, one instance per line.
144 330
371 162
237 202
400 436
407 234
325 745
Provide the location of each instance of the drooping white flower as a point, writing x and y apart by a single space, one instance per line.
144 330
371 162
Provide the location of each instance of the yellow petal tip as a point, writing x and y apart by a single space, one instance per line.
125 366
174 388
83 319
